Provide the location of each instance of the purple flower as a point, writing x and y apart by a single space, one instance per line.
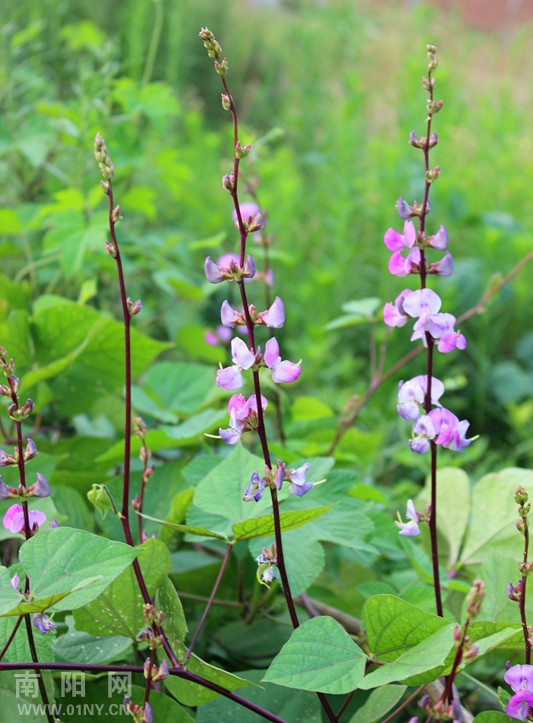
4 490
31 450
42 623
230 378
444 267
41 488
442 427
395 241
400 266
14 519
147 713
228 315
242 417
411 528
412 394
6 459
520 705
520 677
404 209
298 484
422 302
274 317
251 217
440 240
15 581
282 371
395 314
255 489
228 268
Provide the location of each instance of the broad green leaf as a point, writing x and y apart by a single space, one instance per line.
181 387
63 562
420 664
79 647
378 704
493 717
496 572
453 509
296 706
264 526
119 609
306 409
13 700
319 656
494 514
394 626
174 623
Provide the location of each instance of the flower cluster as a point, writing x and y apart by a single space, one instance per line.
297 478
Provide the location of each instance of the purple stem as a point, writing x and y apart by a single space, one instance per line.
179 672
522 601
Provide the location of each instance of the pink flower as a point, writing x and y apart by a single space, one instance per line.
412 394
439 240
400 266
228 268
282 371
273 317
242 417
395 241
442 427
395 314
14 519
444 267
520 678
298 484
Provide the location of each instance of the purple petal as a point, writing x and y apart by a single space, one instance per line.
41 488
519 677
444 267
249 267
229 378
409 233
393 317
275 316
404 210
227 314
4 492
271 355
230 436
422 301
397 265
15 581
42 623
420 445
519 705
241 355
212 271
410 529
410 512
285 371
440 239
393 240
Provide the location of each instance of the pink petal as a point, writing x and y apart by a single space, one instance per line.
397 265
212 271
440 239
275 316
271 355
409 233
241 355
422 301
227 314
285 371
392 317
393 240
229 378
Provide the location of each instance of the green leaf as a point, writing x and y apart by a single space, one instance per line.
193 694
290 705
419 665
393 626
493 717
453 485
494 514
185 529
378 704
19 650
181 387
174 623
79 647
319 656
264 526
64 562
119 609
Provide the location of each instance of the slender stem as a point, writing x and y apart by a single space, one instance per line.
209 604
402 706
40 679
522 601
345 704
433 531
12 635
179 672
447 692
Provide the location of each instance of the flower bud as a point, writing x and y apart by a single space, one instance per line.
242 151
520 495
115 215
151 615
228 182
98 496
7 460
226 101
222 67
111 249
136 503
41 488
134 307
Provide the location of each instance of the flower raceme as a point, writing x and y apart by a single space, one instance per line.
412 263
273 317
297 478
242 417
442 427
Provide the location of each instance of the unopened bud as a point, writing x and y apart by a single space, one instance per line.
433 174
416 141
139 427
31 450
222 67
115 215
242 151
520 495
111 249
228 182
151 615
18 414
226 101
134 307
433 140
14 383
457 633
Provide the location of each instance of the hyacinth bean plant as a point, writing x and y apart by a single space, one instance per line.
73 602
